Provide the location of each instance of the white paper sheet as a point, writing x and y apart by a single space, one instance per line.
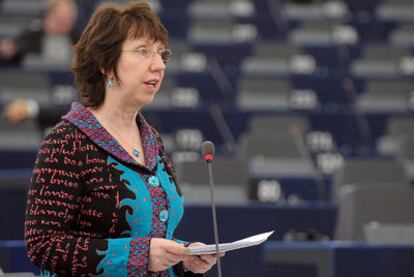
224 247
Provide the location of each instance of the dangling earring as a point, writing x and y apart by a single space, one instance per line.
110 83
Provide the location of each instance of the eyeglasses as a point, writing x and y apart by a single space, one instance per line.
147 53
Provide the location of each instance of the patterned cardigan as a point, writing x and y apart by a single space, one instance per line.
92 209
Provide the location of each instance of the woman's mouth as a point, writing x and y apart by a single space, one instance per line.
152 83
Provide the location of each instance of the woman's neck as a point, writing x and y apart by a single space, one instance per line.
118 115
120 121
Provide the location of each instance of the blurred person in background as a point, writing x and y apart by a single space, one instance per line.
45 116
103 197
49 38
63 18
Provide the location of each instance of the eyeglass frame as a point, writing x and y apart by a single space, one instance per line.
162 52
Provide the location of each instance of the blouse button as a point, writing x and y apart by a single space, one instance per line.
164 215
153 181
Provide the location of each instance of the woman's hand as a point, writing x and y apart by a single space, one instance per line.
202 263
165 253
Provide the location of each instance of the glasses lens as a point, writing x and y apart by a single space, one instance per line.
166 55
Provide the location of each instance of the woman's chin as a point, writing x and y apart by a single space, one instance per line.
145 101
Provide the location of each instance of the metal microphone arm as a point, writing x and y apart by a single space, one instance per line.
213 209
207 150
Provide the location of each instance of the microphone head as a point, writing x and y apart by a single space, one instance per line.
207 150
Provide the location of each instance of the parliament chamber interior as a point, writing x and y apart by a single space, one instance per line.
309 104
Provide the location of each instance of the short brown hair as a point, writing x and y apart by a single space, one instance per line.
99 48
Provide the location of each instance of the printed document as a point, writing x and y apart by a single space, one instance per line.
224 247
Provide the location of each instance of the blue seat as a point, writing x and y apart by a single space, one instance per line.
397 11
403 36
380 61
14 259
278 58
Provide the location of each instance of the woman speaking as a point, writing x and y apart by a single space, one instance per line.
103 198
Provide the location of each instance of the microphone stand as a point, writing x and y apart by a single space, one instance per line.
213 209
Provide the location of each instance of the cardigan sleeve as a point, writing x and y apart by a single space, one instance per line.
52 210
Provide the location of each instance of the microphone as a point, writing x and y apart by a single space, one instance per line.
207 150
